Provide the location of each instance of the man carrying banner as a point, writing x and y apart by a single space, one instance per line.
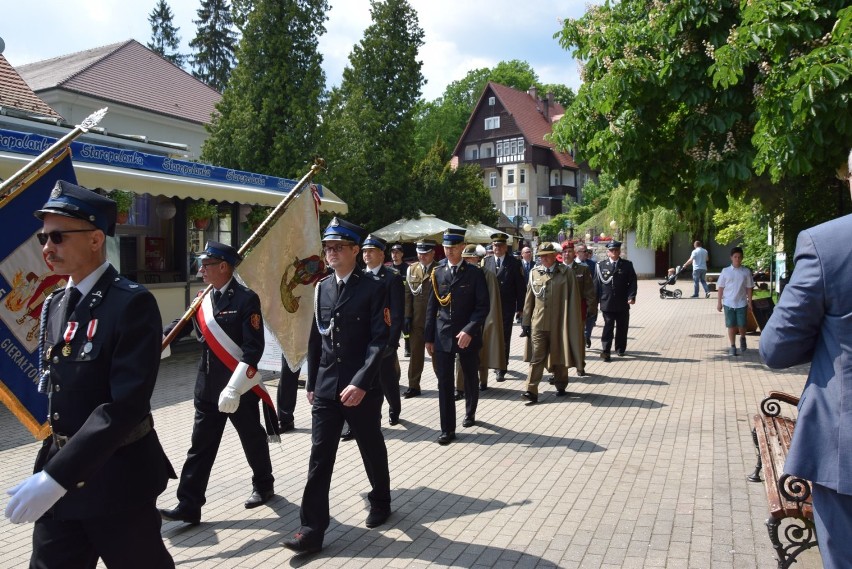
347 340
101 469
230 328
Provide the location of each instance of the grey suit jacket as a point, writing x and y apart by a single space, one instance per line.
813 323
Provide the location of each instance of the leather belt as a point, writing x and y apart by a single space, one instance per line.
139 431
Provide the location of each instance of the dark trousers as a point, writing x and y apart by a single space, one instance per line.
508 320
389 375
590 324
206 436
128 539
365 421
288 388
619 321
833 520
445 370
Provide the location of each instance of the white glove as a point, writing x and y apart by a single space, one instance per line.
33 497
243 379
229 400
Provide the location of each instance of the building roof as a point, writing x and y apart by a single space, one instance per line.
127 73
16 94
533 116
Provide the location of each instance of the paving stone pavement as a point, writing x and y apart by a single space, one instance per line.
644 464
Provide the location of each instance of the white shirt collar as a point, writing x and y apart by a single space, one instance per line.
86 285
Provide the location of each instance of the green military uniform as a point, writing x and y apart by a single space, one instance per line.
417 293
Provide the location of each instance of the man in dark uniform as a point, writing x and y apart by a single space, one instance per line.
373 251
402 268
616 284
416 296
584 255
98 475
288 387
513 288
229 316
348 337
456 311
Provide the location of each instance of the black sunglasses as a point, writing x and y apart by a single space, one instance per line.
56 236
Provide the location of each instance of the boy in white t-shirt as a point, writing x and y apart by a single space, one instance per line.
735 287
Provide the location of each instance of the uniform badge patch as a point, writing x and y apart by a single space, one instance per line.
387 317
255 321
251 372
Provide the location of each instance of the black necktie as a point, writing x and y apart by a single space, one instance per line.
72 297
217 296
340 285
453 271
498 264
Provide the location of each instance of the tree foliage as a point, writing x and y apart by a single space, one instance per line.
214 44
268 116
748 221
368 129
164 35
696 99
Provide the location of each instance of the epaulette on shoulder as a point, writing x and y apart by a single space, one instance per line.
392 271
325 278
124 283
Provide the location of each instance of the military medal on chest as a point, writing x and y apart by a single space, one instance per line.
70 332
90 334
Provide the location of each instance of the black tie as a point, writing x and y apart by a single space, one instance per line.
340 285
498 264
453 271
217 296
71 299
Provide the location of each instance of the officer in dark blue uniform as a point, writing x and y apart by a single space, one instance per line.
100 471
616 285
348 337
398 263
456 310
513 288
236 313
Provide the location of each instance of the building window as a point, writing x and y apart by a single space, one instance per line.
474 154
520 146
492 122
489 152
523 176
491 101
499 149
555 178
541 210
492 180
510 176
510 209
522 209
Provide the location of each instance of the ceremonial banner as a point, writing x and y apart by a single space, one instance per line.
283 270
25 283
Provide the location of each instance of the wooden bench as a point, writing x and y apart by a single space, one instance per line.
789 497
711 279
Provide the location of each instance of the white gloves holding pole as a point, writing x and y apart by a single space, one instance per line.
243 379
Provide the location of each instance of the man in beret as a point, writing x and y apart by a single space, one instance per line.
229 326
416 297
99 472
457 308
398 263
348 337
616 285
552 323
513 288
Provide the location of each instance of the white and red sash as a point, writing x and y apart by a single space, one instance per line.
222 346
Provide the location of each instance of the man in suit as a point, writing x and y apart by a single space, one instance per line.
398 263
813 323
456 311
513 287
416 296
552 323
584 255
99 472
230 328
616 285
348 337
373 251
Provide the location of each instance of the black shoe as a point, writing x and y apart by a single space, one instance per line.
459 395
377 518
501 375
530 396
347 436
410 392
300 544
180 514
259 498
605 356
394 420
588 343
551 380
446 438
469 421
483 387
561 393
287 426
706 295
620 353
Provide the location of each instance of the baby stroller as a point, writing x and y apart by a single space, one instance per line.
670 280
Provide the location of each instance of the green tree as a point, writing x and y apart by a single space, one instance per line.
214 44
164 34
368 130
681 98
747 221
456 195
268 116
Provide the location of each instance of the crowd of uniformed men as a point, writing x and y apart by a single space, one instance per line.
100 471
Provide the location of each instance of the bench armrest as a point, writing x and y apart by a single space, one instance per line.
770 405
